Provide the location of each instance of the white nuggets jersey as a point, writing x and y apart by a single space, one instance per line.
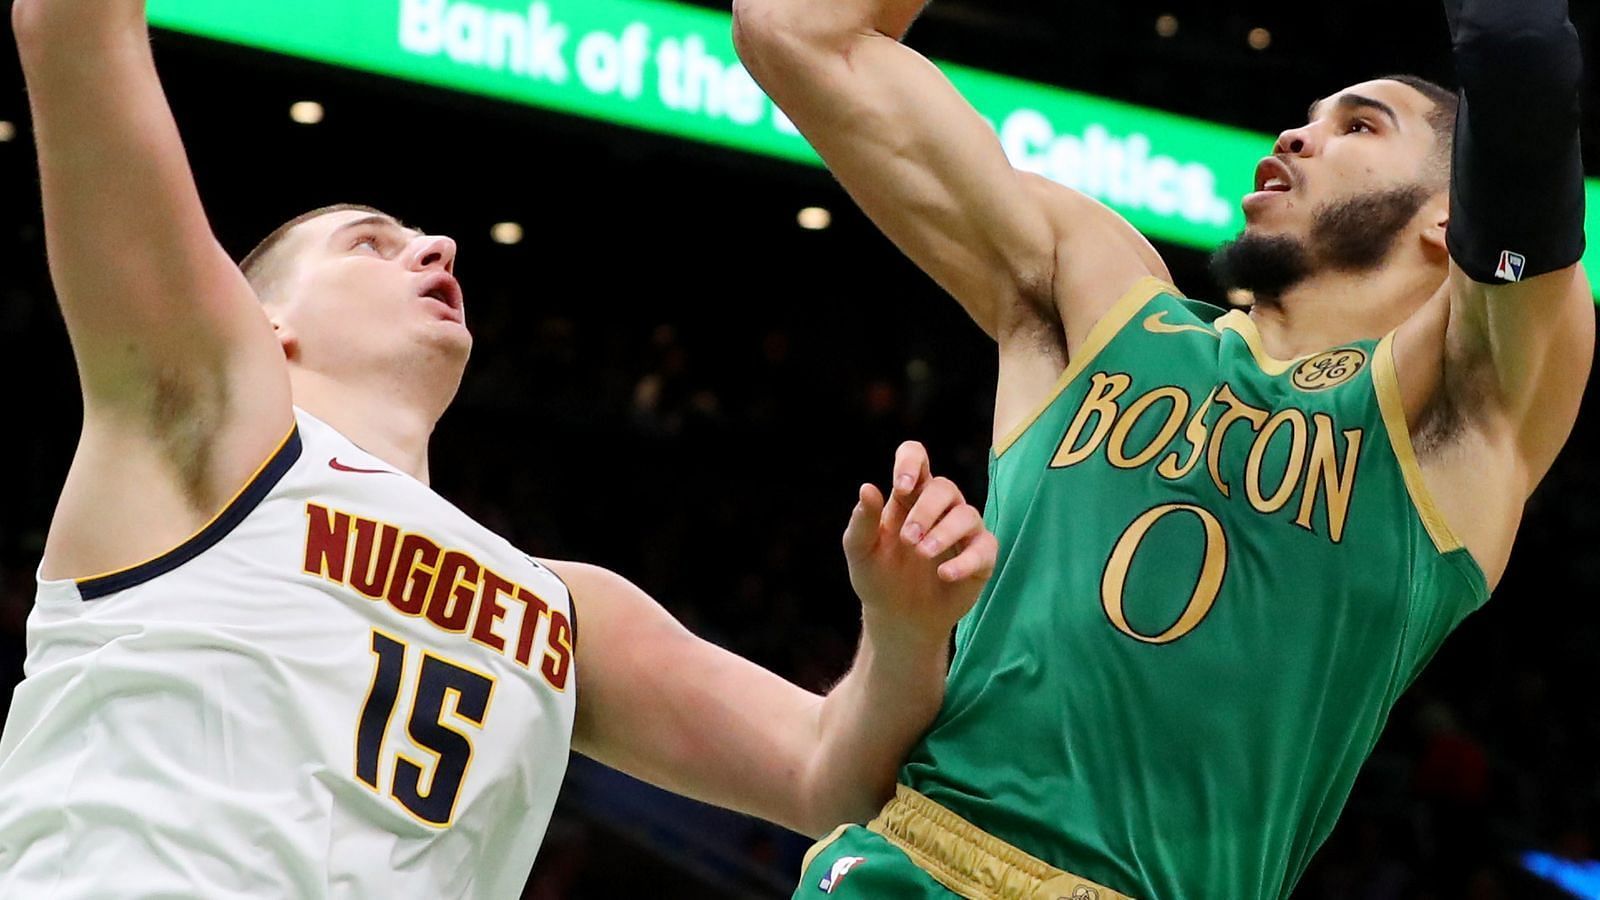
342 687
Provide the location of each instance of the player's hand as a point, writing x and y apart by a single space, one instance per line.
920 558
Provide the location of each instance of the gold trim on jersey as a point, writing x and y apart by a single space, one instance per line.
818 847
1392 404
969 861
1110 324
1240 323
248 484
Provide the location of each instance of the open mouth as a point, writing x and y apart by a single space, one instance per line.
444 289
1274 176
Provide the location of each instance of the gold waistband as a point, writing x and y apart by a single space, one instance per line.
971 862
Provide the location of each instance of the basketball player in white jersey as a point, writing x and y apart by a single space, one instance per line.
266 660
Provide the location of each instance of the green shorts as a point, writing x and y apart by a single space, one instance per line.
917 850
856 863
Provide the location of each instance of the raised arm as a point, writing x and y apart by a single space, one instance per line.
1520 324
185 389
659 703
930 171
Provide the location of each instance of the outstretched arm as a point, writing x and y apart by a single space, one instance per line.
185 389
1520 326
927 168
677 711
1034 263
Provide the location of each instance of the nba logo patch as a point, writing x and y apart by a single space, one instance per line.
1511 266
841 868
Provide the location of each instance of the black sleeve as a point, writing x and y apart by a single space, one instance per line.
1516 190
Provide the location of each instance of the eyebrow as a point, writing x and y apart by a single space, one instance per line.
381 221
1357 101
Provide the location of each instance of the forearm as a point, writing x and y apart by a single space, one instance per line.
1517 175
130 250
58 21
869 723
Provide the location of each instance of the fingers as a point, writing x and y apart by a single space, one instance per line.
861 535
937 497
911 475
976 561
958 525
911 471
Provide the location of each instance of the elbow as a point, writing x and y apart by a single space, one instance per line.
771 35
756 23
762 31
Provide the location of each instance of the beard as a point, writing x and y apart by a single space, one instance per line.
1353 235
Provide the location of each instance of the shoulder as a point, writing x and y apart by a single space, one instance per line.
1083 220
603 598
587 579
1089 230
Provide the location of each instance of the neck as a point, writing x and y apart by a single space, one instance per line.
1333 308
392 422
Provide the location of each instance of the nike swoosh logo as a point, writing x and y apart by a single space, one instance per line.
337 466
1155 325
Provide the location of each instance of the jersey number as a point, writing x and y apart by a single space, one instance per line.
1114 583
429 797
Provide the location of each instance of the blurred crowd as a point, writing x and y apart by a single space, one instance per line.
711 453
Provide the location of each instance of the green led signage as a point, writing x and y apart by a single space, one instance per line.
671 69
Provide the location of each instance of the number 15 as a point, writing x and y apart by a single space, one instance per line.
451 748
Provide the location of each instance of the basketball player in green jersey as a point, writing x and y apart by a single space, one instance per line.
1229 539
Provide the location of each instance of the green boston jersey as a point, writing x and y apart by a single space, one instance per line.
1217 573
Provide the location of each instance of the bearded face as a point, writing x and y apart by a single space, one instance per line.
1352 235
1343 191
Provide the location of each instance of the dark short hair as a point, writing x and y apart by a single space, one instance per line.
1442 118
255 264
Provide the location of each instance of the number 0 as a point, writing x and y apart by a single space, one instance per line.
1113 584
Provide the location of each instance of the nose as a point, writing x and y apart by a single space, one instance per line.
1296 142
433 252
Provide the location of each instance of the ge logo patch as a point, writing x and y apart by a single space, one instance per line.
1329 370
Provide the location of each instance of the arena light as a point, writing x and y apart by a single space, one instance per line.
815 218
307 112
671 69
8 131
506 233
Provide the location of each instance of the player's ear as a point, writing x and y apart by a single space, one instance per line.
285 335
1436 216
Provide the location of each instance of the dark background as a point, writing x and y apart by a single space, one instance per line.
674 381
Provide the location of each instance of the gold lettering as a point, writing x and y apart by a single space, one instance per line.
1195 434
1115 450
1102 400
1237 410
1336 479
1292 468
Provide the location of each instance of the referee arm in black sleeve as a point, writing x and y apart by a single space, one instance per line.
1519 330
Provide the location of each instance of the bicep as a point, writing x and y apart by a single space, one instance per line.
661 704
1533 344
